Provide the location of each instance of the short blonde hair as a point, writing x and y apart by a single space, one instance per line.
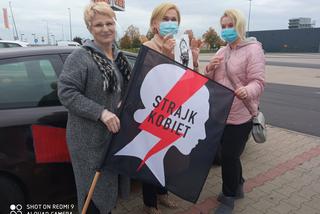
94 8
160 11
238 20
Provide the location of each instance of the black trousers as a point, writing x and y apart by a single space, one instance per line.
233 142
92 209
150 192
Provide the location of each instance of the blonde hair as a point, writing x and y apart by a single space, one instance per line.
94 8
160 11
238 20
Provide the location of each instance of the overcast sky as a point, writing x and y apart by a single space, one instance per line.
32 16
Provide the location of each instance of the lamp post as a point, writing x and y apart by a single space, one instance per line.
69 10
16 36
21 36
249 17
48 34
62 31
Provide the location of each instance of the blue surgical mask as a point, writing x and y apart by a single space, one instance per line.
168 28
229 35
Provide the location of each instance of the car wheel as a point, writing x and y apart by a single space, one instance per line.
11 197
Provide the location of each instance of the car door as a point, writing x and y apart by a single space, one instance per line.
30 109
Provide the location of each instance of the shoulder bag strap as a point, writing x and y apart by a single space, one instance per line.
235 82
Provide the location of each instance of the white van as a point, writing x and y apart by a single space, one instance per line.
67 43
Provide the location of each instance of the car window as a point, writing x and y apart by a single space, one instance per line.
29 82
48 70
131 60
3 45
13 45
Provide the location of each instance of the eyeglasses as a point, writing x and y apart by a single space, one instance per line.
101 25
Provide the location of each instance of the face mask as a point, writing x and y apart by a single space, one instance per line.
229 35
168 28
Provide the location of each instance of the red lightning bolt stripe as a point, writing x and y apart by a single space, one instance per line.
185 88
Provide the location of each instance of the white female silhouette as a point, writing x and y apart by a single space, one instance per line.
169 75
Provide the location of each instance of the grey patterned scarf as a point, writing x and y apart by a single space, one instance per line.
110 81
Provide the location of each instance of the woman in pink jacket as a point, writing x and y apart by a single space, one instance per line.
239 66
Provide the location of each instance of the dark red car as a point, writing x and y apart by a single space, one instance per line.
34 162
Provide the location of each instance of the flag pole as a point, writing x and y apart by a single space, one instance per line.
90 194
95 181
16 36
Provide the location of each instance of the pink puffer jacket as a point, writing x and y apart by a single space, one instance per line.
246 63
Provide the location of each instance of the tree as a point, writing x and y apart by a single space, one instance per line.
133 32
143 39
149 35
212 39
131 38
125 42
136 43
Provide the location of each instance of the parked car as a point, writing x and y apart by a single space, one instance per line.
12 44
30 116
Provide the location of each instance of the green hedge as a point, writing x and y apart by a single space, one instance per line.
207 51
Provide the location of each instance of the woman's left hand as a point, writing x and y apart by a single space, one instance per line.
110 120
241 93
195 46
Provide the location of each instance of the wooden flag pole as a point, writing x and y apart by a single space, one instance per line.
90 194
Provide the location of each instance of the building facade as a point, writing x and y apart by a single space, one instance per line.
301 22
305 40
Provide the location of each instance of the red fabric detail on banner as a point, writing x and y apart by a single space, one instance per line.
50 144
185 88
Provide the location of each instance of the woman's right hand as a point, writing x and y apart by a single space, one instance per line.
213 64
110 120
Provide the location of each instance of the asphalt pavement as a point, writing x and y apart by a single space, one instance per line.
291 99
291 107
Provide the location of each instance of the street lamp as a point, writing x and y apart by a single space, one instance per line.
48 34
62 31
70 24
249 17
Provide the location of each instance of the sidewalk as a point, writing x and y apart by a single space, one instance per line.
282 176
